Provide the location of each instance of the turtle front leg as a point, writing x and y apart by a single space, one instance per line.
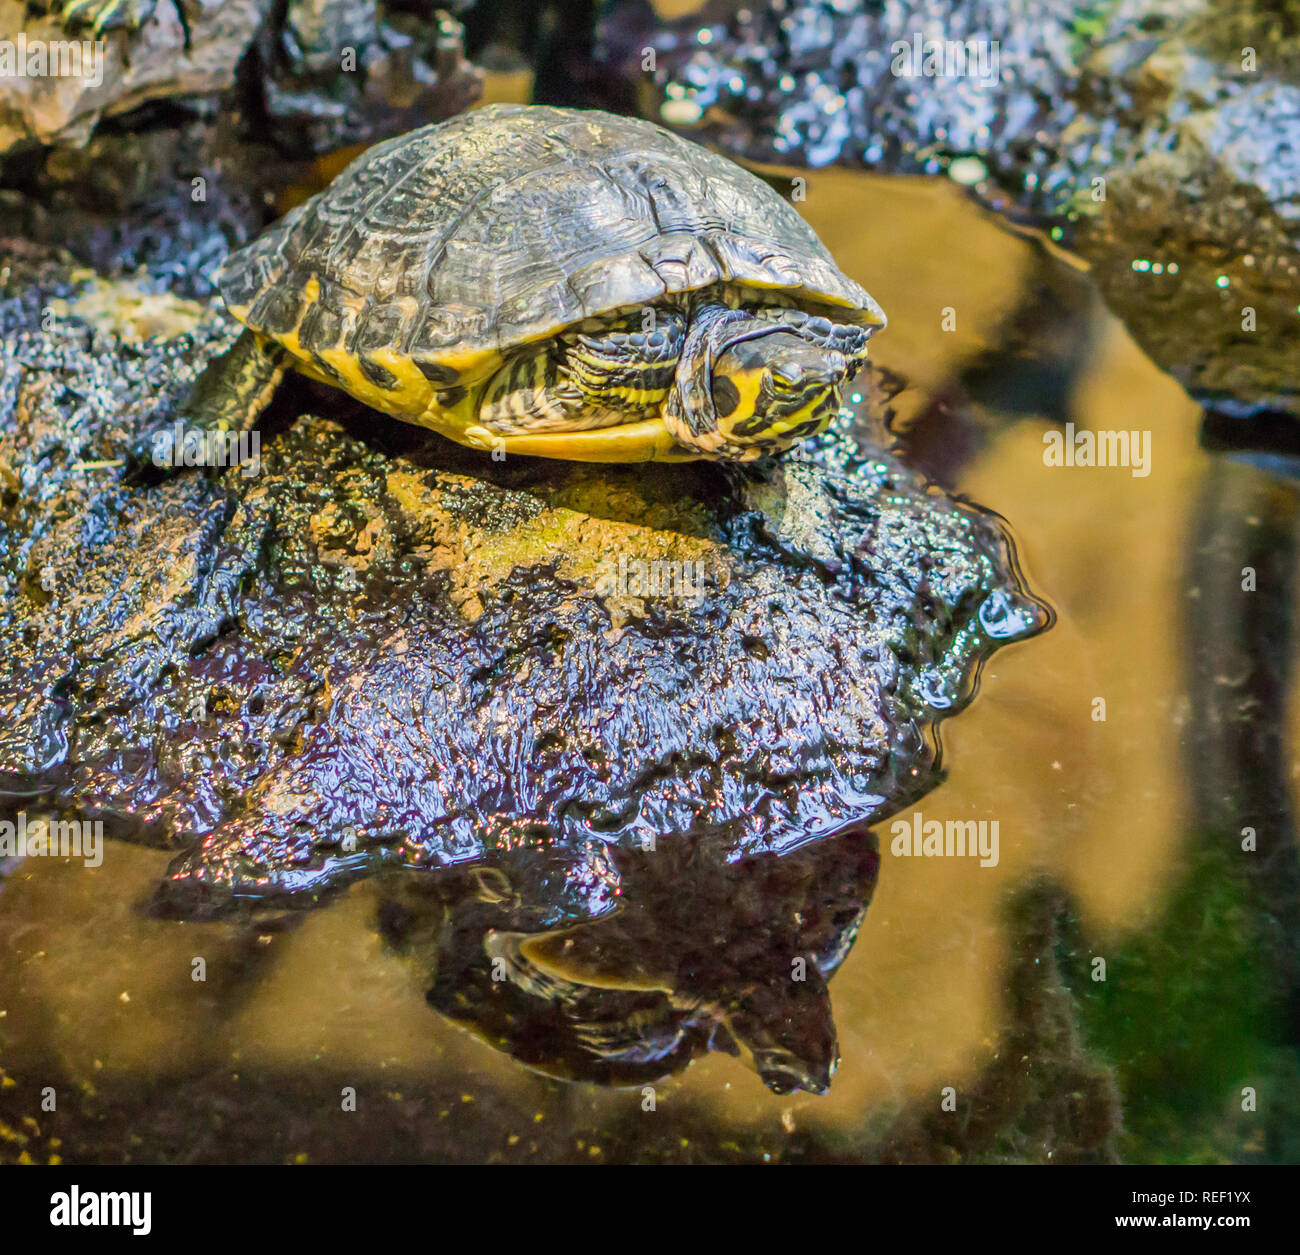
586 381
623 367
212 427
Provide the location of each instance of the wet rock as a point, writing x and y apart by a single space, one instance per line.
340 72
172 187
1160 141
811 82
182 49
1196 244
381 651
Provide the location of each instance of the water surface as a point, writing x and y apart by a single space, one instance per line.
1119 837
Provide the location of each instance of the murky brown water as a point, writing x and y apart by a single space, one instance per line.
1117 838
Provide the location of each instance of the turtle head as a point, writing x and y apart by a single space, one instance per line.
749 386
785 1025
775 390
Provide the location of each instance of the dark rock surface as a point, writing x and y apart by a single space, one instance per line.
339 72
169 197
386 652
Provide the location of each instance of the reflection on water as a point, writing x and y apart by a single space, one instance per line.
705 955
1109 987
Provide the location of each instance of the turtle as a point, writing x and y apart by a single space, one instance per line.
554 282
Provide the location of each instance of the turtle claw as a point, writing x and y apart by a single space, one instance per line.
787 1026
152 456
141 464
157 454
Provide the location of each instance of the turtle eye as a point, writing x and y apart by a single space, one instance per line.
788 375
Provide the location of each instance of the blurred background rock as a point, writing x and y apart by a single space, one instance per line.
1160 141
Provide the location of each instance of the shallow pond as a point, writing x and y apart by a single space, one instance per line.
1109 988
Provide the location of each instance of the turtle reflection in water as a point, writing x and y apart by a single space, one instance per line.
560 283
703 955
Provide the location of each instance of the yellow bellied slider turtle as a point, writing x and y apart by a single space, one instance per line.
556 282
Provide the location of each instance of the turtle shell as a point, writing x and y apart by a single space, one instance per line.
455 243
